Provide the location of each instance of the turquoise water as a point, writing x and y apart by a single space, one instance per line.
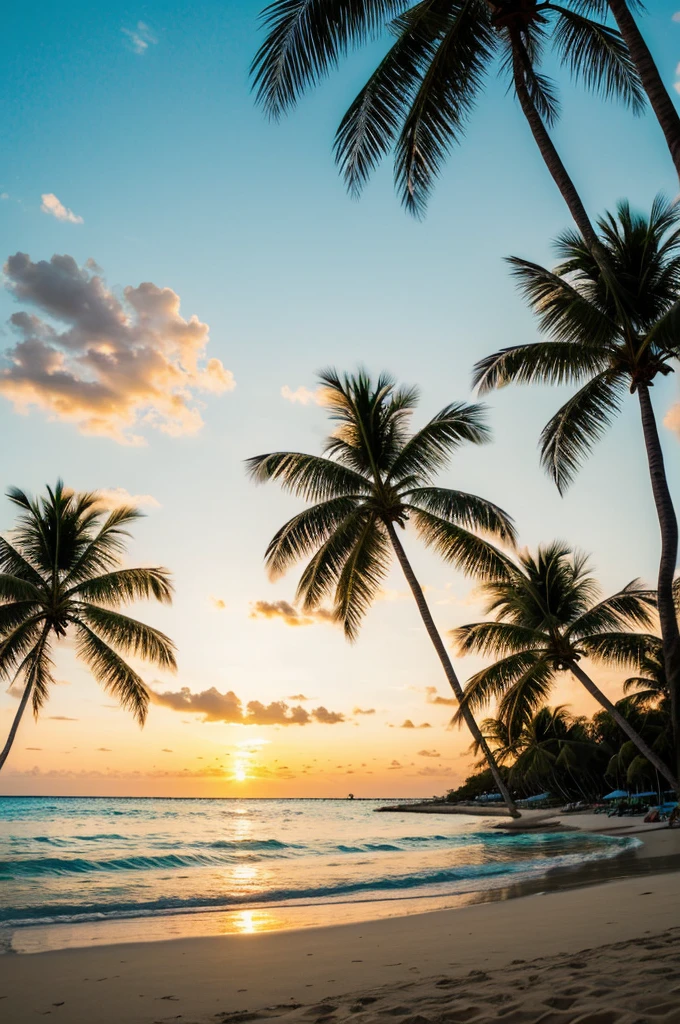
85 859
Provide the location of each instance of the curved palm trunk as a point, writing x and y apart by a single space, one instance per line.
551 157
454 683
17 719
668 524
658 95
634 736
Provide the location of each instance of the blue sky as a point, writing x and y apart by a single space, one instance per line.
180 181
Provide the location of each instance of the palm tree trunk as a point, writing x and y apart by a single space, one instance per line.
454 683
658 95
17 719
634 736
669 555
551 157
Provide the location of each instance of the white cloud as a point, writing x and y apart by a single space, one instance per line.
55 208
114 497
113 363
302 395
676 16
139 38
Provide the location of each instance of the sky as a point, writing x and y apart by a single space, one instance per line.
143 193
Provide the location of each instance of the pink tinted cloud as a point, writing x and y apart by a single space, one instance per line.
111 365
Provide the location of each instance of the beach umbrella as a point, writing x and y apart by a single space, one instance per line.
650 792
616 794
536 798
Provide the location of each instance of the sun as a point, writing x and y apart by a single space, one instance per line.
240 773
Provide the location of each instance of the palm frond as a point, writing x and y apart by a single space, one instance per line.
529 693
16 644
622 650
452 74
102 551
542 362
568 437
493 682
598 56
114 674
306 532
129 636
305 40
307 476
38 672
361 577
467 510
13 563
471 554
564 312
631 607
496 639
664 335
16 589
321 575
15 613
124 586
431 448
371 123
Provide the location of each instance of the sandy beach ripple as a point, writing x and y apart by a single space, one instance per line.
633 982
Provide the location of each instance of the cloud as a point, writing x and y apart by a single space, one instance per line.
676 16
302 395
363 711
327 717
408 724
32 748
432 697
112 363
298 697
52 206
218 603
429 753
390 595
288 613
166 750
672 417
140 38
114 497
435 770
227 707
394 766
61 718
104 750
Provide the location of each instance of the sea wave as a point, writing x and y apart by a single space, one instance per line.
448 881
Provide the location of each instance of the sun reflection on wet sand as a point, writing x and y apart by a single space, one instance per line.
247 922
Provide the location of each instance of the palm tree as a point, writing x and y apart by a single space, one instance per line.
554 751
613 337
374 477
59 574
419 98
548 618
649 689
657 93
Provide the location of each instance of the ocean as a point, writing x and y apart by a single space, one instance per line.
68 861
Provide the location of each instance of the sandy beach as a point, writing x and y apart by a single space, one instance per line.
597 954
